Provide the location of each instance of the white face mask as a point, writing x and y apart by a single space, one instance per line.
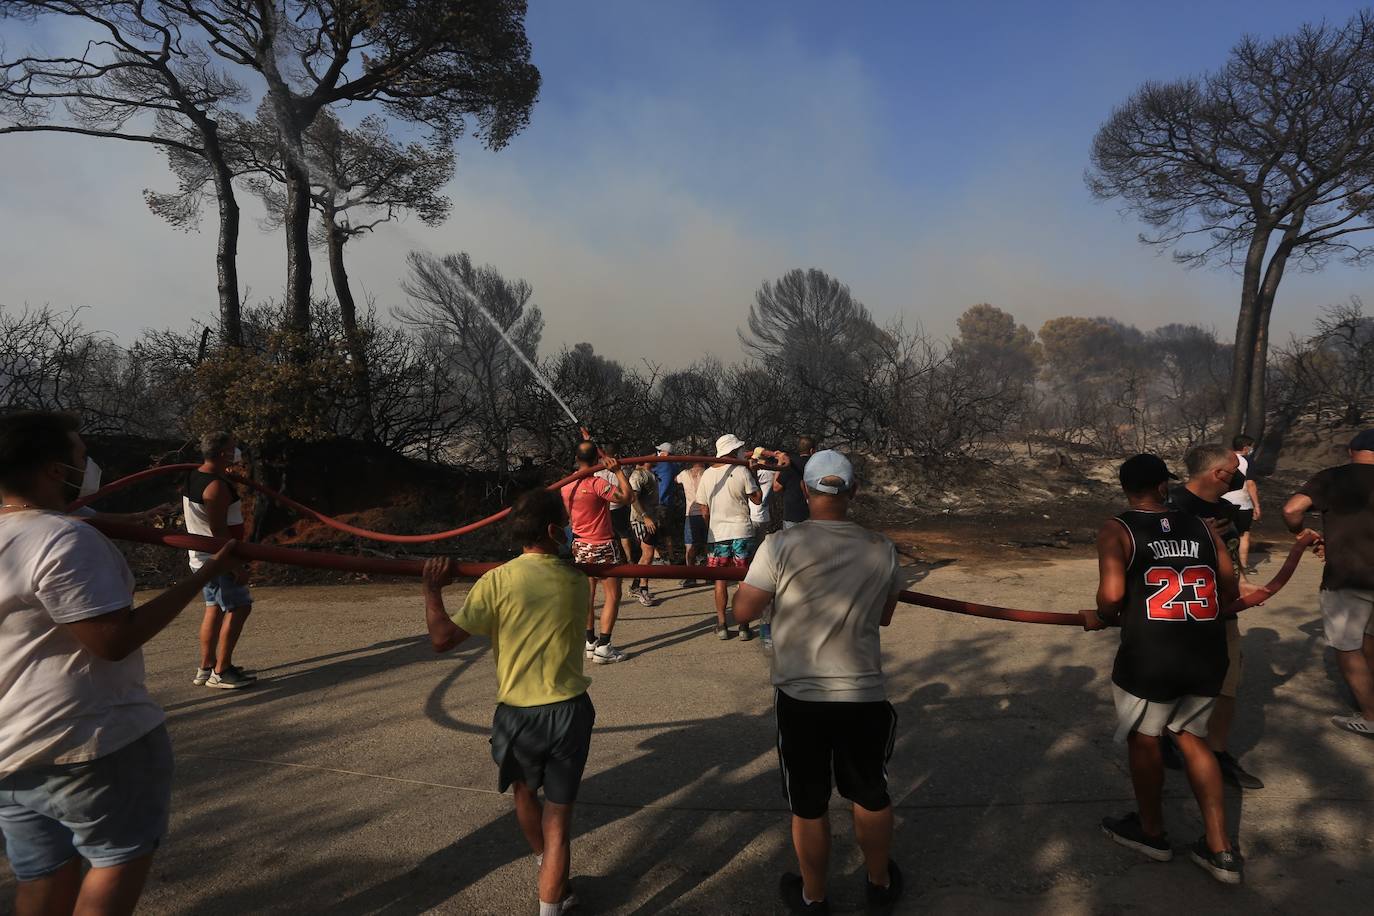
238 455
90 477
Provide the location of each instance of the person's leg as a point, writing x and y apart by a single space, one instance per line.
1204 775
612 609
722 598
1147 779
529 811
873 832
1356 668
1219 725
1245 550
229 634
113 891
591 608
54 893
811 839
209 635
557 839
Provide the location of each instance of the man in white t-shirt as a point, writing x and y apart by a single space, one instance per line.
725 493
832 585
85 762
1245 498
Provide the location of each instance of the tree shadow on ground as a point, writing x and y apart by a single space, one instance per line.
1000 774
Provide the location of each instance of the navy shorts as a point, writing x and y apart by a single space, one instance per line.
109 811
544 746
694 531
227 593
620 523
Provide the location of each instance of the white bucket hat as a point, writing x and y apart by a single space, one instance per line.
728 443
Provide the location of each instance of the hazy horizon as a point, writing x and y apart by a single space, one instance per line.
680 156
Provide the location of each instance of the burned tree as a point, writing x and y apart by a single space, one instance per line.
1265 163
434 63
360 179
142 66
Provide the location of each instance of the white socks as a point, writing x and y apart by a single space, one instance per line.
550 909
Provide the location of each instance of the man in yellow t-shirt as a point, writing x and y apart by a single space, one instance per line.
532 609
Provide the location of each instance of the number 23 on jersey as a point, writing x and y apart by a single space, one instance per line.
1168 601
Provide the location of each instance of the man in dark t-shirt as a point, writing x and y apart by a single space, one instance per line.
1165 577
789 483
1211 469
1345 497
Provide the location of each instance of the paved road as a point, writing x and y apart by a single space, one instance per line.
355 777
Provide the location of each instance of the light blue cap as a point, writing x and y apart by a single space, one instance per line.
828 464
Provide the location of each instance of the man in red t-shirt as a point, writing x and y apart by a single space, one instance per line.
588 501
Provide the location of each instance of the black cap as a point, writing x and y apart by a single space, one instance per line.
1143 472
1363 442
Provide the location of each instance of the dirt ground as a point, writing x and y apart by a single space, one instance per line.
355 776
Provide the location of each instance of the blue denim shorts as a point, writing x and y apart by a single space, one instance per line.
108 811
227 592
694 530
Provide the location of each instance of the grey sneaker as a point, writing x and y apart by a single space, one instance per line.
746 632
228 679
645 597
723 633
607 655
1356 723
202 675
1127 832
1226 866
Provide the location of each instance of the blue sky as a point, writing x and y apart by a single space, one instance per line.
930 155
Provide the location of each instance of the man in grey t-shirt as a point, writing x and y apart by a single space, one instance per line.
832 584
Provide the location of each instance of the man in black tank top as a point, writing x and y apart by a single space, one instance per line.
1164 576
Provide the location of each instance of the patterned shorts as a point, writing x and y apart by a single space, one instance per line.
734 552
602 552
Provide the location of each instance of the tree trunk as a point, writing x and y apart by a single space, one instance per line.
298 243
1243 356
1264 308
348 313
227 254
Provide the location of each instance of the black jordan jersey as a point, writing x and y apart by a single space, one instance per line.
1173 637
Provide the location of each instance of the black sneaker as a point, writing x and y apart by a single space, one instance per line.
1226 866
883 899
1168 753
1126 830
1235 774
790 889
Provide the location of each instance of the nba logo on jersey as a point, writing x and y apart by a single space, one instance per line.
1164 525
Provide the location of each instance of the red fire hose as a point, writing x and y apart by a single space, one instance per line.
389 567
139 477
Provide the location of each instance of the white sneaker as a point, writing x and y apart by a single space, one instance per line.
229 679
607 655
591 649
202 675
1357 724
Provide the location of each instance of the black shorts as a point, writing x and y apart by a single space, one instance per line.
1245 520
852 741
620 523
544 746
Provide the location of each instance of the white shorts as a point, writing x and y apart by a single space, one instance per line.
1187 713
1348 616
